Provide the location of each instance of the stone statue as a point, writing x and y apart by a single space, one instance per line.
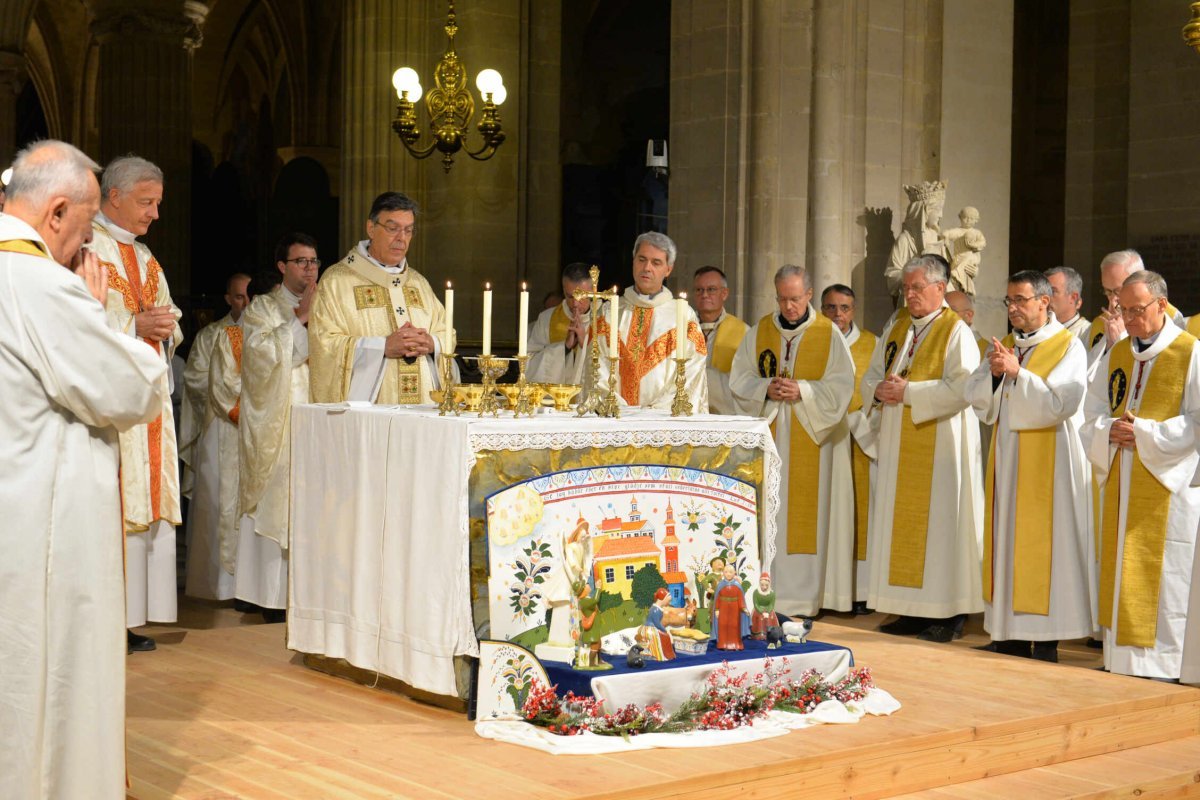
919 234
963 246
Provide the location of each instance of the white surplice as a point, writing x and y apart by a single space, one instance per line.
193 409
275 376
1168 450
952 581
800 580
213 513
863 436
70 383
647 353
1032 403
549 360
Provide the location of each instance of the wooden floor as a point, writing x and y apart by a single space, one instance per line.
222 710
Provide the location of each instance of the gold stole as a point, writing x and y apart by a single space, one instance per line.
27 247
1149 501
725 343
560 323
394 295
1095 332
804 455
1194 325
984 344
910 517
860 352
234 332
1033 523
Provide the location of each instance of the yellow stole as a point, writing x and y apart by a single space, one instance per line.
1193 326
725 343
860 352
804 455
1033 525
910 518
1095 331
26 247
560 323
1149 501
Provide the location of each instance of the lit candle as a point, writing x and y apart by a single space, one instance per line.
487 319
447 337
681 321
523 323
613 319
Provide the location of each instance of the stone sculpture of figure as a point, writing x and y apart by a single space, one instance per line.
963 246
919 234
763 616
729 610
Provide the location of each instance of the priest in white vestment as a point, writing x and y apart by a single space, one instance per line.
723 333
794 369
1108 327
1037 560
558 338
70 384
194 407
925 545
139 305
1142 412
1067 301
377 327
213 513
274 377
647 335
838 303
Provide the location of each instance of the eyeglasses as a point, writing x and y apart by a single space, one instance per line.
305 263
829 308
916 288
708 290
1110 294
1137 311
395 230
1017 301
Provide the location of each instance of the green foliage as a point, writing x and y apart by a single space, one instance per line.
646 581
609 600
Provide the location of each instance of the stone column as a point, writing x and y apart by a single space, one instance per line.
144 106
12 71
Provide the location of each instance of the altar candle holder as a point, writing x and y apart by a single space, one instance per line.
524 404
603 403
490 368
682 405
449 403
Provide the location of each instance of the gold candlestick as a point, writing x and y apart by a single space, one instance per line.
682 405
490 368
448 402
524 404
610 404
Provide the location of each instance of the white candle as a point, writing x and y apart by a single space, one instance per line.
523 323
487 319
447 337
613 319
681 321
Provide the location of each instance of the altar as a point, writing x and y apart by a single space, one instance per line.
389 515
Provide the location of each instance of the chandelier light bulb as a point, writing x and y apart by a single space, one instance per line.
487 81
406 79
499 94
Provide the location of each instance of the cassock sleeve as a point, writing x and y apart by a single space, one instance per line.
823 403
547 362
1035 403
875 372
104 378
195 393
1097 422
943 398
331 349
266 378
1168 448
225 380
979 391
747 387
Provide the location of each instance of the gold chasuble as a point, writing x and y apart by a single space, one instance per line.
729 335
805 464
1148 503
358 299
860 352
910 518
1033 528
1193 326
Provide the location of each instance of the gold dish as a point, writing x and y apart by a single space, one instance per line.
563 395
471 394
511 393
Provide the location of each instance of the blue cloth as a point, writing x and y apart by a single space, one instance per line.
654 618
569 679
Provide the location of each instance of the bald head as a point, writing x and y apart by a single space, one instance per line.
54 189
1114 269
962 304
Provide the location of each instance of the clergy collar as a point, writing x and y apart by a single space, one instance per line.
116 231
716 323
851 336
292 299
1159 342
394 269
921 322
1043 333
791 326
1021 335
636 298
1140 344
1071 321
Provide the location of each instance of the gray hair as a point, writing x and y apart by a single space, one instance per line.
659 240
47 169
1130 259
1072 280
1155 284
791 270
125 172
1036 280
711 270
934 266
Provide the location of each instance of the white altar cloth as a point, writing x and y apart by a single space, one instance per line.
380 561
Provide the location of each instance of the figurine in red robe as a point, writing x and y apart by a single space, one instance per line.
729 607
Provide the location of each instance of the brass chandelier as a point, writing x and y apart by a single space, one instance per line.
450 106
1191 31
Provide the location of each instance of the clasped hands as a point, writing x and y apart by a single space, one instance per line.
1002 361
1121 432
890 390
783 390
577 333
408 341
1114 326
